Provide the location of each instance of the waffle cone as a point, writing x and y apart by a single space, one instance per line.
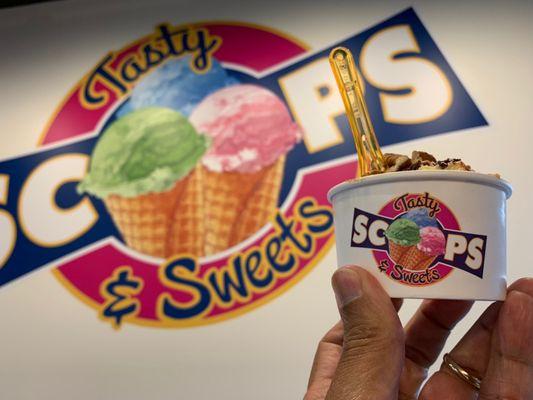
187 230
239 204
425 264
416 260
162 224
397 251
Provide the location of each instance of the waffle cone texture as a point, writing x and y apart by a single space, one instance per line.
396 251
239 204
416 260
202 214
163 224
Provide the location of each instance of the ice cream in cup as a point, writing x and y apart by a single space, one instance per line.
424 228
251 132
145 168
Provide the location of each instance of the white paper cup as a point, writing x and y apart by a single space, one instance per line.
469 210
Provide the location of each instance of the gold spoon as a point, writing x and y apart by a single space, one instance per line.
368 150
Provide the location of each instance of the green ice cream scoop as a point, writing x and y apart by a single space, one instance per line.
403 232
146 151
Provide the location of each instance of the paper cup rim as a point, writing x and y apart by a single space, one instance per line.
424 175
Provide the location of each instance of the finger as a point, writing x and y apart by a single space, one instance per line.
425 336
372 354
509 372
472 353
428 329
326 358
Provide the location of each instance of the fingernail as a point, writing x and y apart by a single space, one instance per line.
346 285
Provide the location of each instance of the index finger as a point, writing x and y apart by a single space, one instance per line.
325 361
472 353
425 336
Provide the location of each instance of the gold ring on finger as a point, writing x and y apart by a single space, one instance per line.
461 372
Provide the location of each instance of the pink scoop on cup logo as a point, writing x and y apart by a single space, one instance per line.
250 128
432 241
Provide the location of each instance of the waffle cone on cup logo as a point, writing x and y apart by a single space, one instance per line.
416 260
251 132
144 169
397 251
402 235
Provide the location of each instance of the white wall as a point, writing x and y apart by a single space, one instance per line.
53 347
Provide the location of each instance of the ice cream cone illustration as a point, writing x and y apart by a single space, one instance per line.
432 244
402 235
144 168
251 132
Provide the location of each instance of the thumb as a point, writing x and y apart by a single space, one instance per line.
373 348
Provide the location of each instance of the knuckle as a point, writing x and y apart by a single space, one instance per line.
373 336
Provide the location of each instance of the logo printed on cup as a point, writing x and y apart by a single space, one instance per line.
417 240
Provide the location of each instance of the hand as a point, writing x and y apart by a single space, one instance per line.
370 356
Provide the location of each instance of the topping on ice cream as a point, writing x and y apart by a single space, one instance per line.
449 164
432 241
250 128
421 161
145 151
403 232
396 162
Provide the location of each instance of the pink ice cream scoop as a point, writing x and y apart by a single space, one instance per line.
432 241
250 128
